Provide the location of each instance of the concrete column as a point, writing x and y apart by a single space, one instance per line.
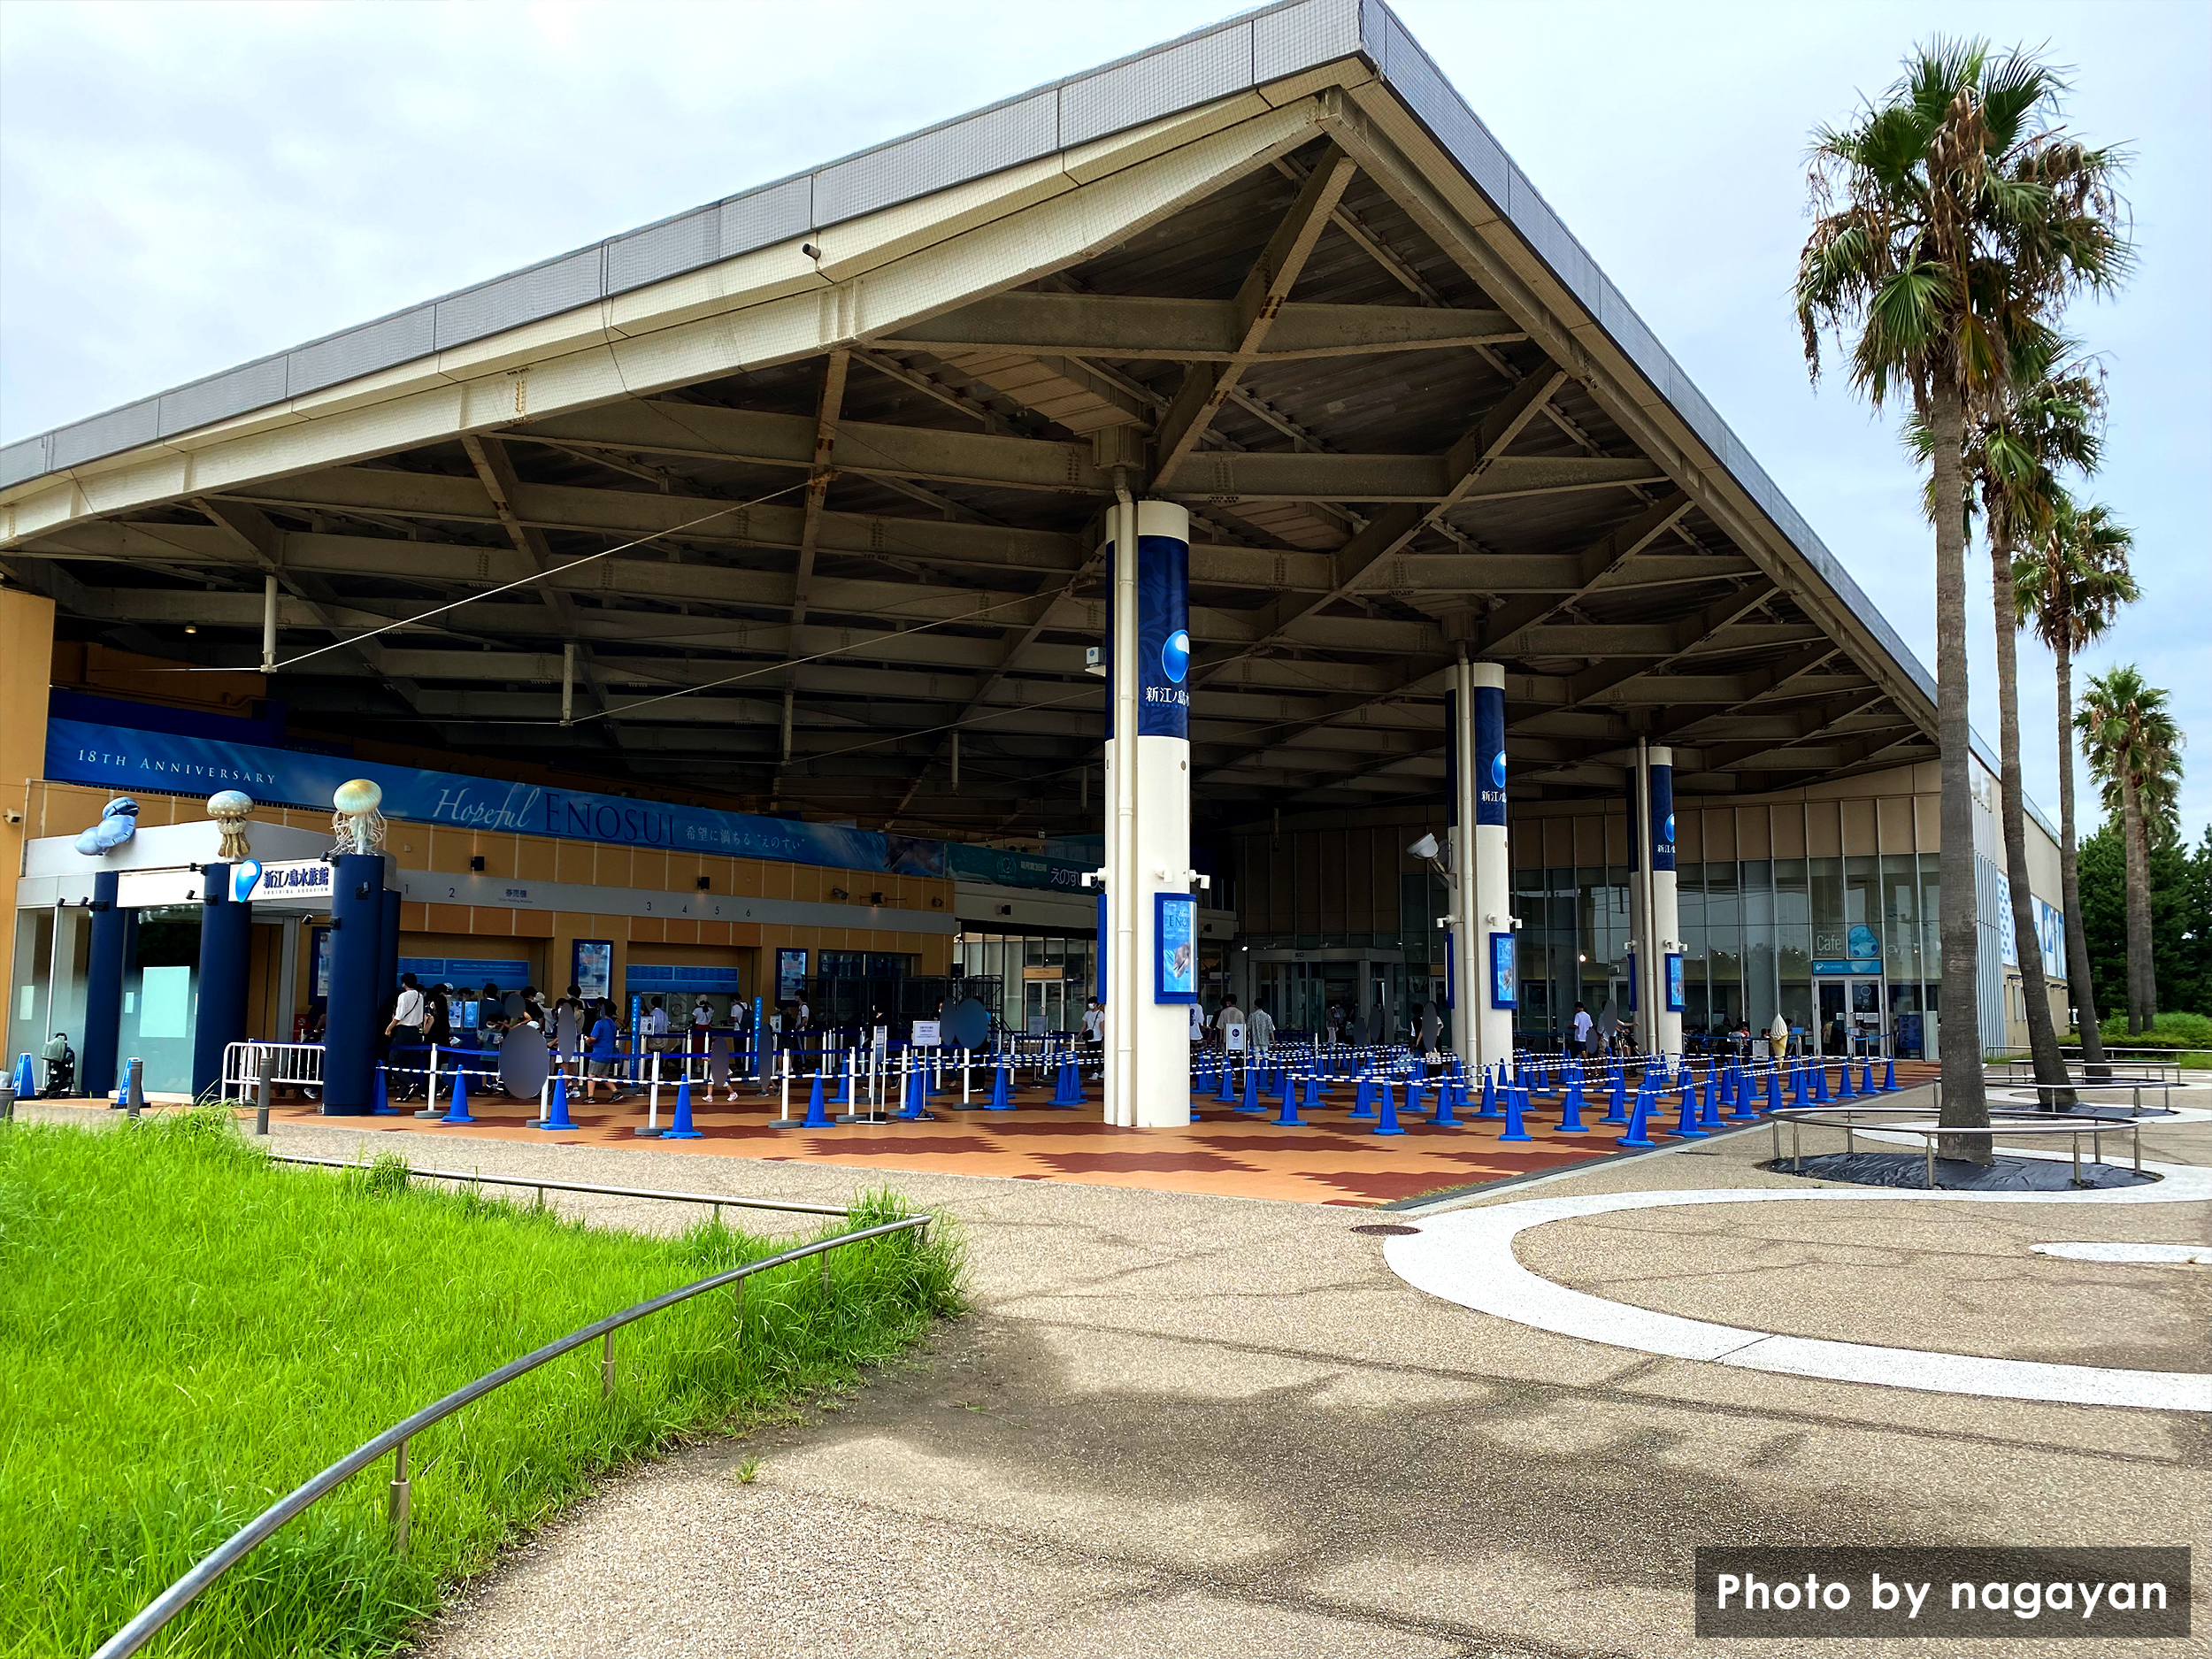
103 986
1642 1002
1666 915
1148 807
1482 861
226 952
1658 921
357 907
1463 944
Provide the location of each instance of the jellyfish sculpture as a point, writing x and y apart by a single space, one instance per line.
356 824
230 808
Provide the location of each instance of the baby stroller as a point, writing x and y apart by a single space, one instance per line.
61 1074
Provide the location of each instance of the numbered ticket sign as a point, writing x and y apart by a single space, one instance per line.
926 1033
1233 1039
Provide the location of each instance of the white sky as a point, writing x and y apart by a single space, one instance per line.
184 186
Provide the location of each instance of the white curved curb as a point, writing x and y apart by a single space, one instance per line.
1466 1257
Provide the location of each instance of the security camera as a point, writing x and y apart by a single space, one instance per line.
809 250
14 817
1426 847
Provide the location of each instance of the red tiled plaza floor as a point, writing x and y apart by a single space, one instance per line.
1333 1159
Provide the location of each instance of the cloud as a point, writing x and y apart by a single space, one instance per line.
185 186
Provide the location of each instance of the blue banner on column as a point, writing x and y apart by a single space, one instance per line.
1451 758
1490 755
1663 817
1163 637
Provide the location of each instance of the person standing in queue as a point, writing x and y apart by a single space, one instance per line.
1260 1029
600 1061
1583 1026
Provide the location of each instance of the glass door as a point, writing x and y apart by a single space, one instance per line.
1834 1037
1044 1006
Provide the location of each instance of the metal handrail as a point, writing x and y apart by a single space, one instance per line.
233 1549
473 1178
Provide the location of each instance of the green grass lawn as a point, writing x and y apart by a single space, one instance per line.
188 1330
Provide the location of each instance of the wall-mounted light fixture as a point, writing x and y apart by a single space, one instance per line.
476 862
706 882
840 894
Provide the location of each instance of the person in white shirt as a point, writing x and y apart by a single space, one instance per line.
1094 1022
1230 1015
1197 1025
1583 1024
407 1012
656 1026
1260 1029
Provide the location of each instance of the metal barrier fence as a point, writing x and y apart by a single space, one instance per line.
290 1065
233 1549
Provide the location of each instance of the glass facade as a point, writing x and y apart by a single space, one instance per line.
1843 948
1045 979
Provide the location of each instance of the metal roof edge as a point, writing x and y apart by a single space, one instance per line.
132 425
1375 33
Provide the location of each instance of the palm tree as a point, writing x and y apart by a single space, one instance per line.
1951 217
2133 747
2048 414
2068 585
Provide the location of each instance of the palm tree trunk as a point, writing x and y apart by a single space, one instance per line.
2050 1066
1965 1100
2138 903
2083 994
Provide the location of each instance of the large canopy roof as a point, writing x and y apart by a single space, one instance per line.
850 437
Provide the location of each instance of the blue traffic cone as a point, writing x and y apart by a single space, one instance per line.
1685 1119
1889 1077
1617 1103
1570 1108
556 1107
1774 1089
1867 1084
1364 1100
1820 1084
1251 1101
1067 1087
1489 1108
1516 1106
1286 1116
680 1127
383 1107
1743 1102
913 1105
844 1089
1447 1085
1386 1111
1844 1091
1228 1089
457 1110
25 1079
1638 1131
1288 1088
1709 1114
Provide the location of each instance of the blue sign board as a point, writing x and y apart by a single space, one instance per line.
1663 817
1674 982
1163 639
1175 917
1490 755
1505 983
